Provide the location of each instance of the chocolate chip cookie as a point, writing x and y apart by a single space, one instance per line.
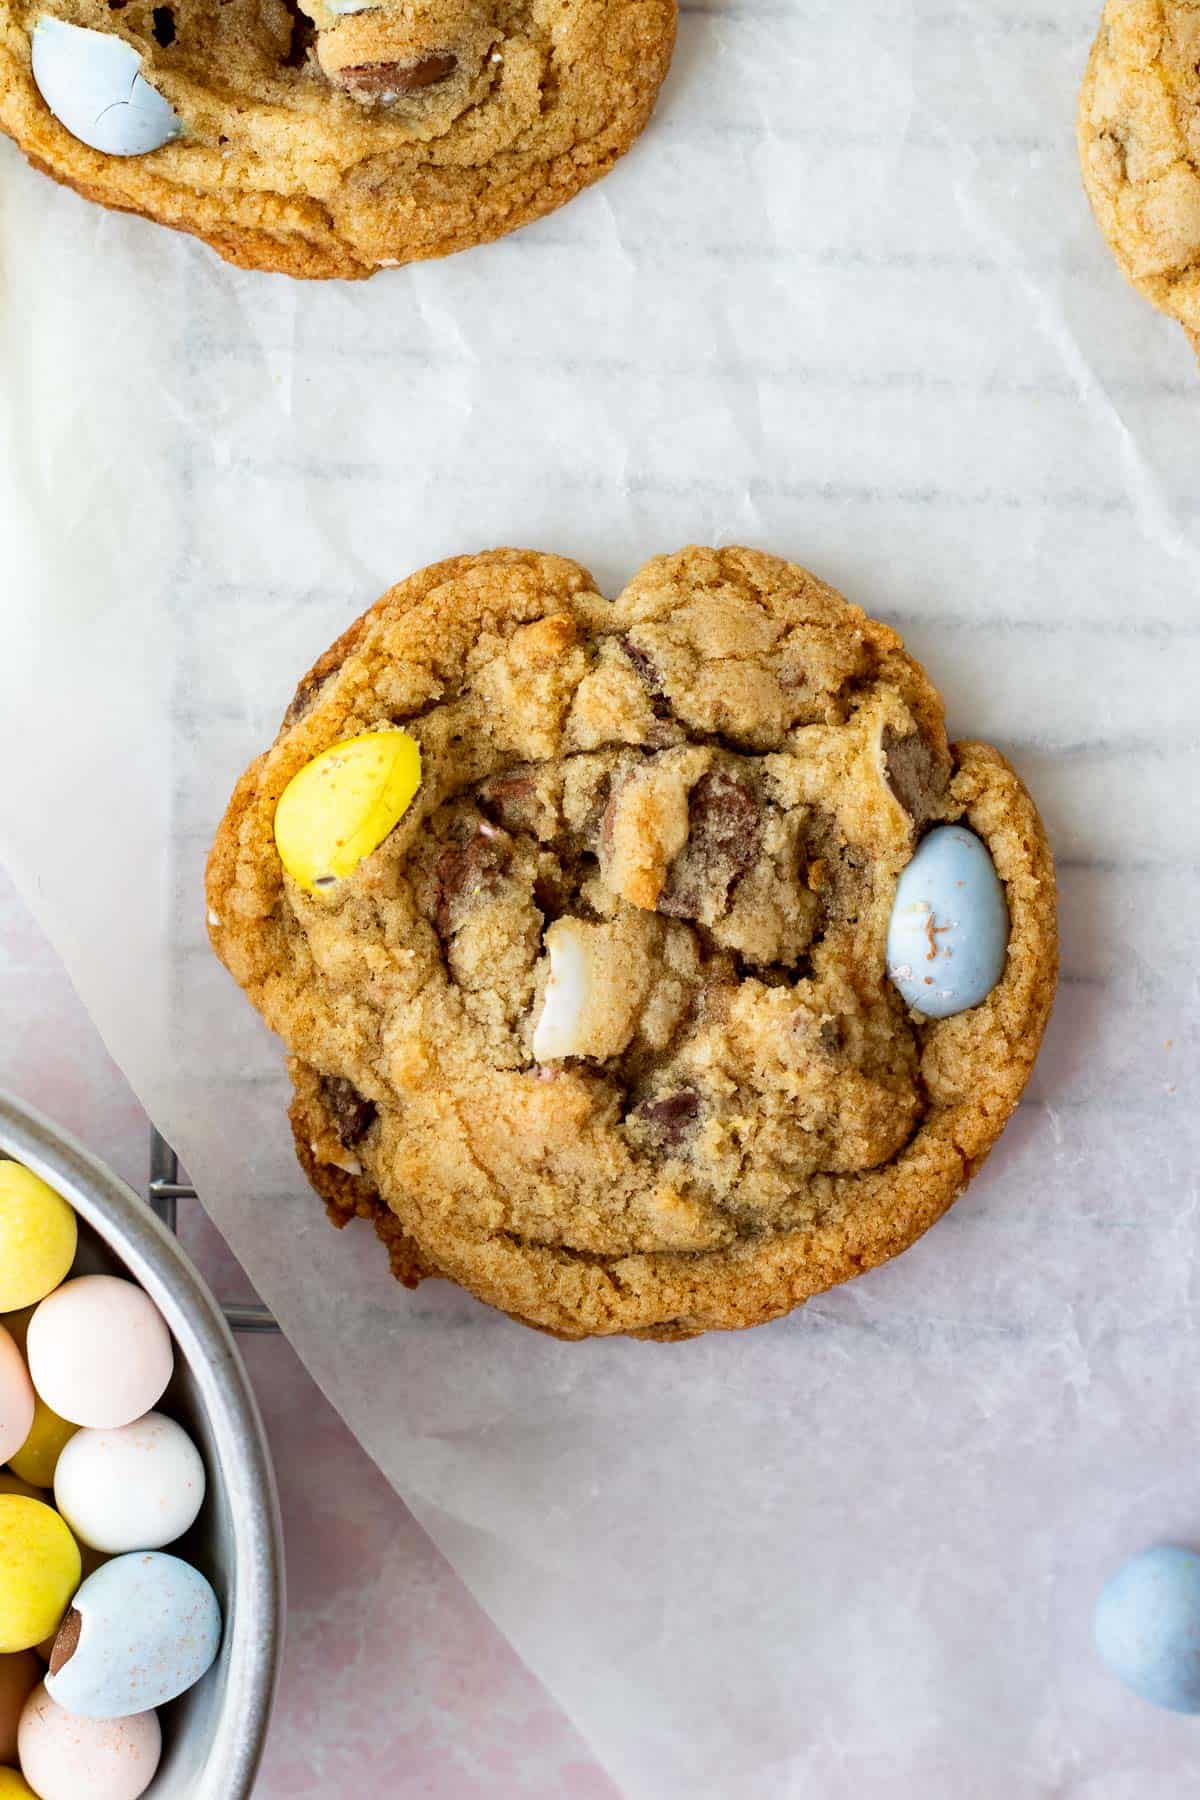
1139 146
335 137
579 918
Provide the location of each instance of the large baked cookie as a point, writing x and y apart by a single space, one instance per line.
1139 146
333 141
597 925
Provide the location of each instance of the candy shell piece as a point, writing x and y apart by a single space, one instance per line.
134 1489
339 808
99 1351
948 934
1147 1626
65 1758
16 1398
13 1786
92 82
38 1456
141 1630
38 1235
19 1675
39 1571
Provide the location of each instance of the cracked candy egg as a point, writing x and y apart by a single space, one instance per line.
141 1630
93 84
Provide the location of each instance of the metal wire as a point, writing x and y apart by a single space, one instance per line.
164 1191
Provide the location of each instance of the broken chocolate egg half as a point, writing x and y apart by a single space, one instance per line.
93 84
948 933
140 1631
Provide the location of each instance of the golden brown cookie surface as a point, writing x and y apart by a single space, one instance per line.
605 1021
360 137
1139 147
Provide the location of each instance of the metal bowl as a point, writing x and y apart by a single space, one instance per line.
213 1737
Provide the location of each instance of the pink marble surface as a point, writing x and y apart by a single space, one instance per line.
394 1682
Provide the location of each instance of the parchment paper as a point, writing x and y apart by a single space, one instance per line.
844 301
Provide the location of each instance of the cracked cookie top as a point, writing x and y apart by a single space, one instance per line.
1139 146
331 137
603 1028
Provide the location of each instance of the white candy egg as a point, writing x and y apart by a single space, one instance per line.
136 1488
948 935
99 1351
93 84
66 1758
141 1630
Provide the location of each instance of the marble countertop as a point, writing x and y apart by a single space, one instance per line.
393 1681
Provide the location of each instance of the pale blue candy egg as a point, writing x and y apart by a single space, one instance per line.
93 84
948 934
141 1630
1148 1626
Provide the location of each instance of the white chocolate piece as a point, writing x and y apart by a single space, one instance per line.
93 84
610 981
568 992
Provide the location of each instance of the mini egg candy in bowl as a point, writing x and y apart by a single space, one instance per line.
213 1734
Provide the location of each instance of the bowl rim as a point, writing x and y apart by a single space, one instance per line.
155 1259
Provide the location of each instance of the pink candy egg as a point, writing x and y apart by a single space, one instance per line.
66 1758
99 1352
16 1398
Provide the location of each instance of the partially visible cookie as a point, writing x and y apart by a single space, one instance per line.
599 1011
1139 147
350 136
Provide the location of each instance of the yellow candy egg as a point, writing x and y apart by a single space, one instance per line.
37 1238
14 1786
342 805
40 1569
38 1456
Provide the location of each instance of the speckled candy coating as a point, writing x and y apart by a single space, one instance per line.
99 1351
1147 1626
137 1488
148 1627
948 934
67 1758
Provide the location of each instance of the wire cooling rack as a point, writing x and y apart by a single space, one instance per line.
164 1191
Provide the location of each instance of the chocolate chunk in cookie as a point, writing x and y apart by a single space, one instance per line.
352 1114
724 833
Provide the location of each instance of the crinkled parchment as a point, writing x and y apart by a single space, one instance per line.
843 301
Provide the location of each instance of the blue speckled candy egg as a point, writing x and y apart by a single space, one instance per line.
141 1630
1148 1626
948 934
